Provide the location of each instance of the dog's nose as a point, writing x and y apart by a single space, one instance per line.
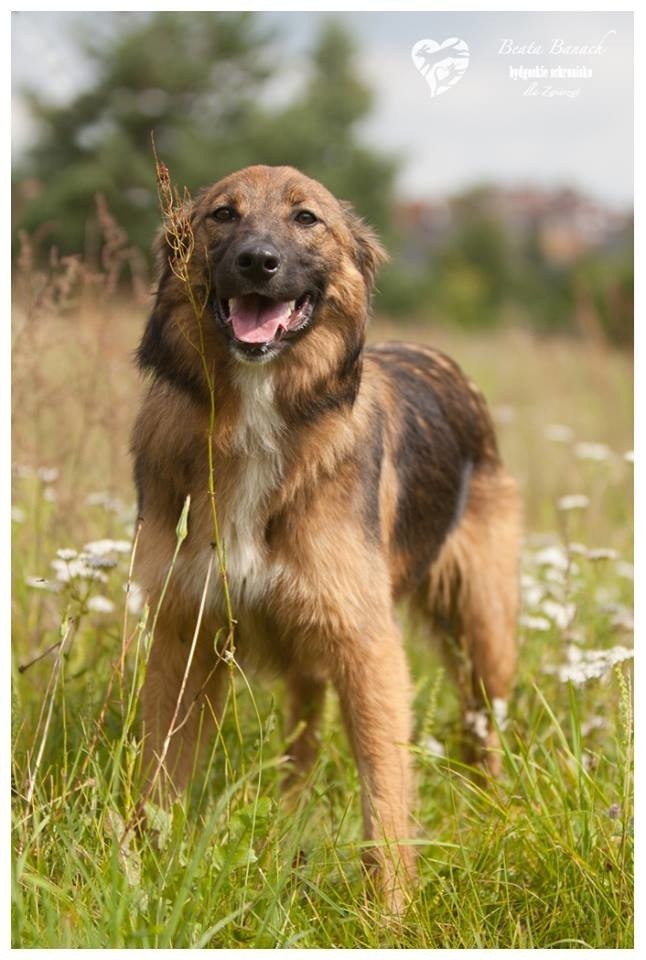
259 261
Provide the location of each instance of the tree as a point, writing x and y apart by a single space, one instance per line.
317 132
199 80
192 78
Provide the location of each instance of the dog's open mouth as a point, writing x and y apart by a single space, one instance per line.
255 319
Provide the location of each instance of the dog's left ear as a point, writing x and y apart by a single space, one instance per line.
369 253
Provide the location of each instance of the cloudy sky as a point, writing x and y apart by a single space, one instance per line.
488 126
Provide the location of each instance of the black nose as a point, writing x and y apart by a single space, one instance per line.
258 261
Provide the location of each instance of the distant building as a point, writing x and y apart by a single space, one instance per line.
565 224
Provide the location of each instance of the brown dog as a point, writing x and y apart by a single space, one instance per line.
346 478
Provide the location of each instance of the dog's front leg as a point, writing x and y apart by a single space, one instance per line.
306 699
373 685
181 700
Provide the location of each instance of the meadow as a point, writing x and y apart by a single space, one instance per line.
541 858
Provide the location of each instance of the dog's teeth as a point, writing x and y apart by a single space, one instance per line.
291 305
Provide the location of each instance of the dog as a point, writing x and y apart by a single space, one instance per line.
346 478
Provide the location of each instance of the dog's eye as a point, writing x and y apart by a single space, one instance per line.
224 214
306 217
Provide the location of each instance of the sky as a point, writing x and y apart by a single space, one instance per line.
496 123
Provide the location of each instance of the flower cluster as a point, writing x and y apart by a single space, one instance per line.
77 572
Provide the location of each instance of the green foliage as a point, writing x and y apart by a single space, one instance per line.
315 132
543 858
481 276
200 82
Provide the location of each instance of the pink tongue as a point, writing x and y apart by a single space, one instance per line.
256 319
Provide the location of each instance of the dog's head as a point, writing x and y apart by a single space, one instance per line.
280 250
275 256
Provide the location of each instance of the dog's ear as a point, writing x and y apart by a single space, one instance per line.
153 353
162 351
369 254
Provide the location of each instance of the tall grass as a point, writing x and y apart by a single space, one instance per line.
542 858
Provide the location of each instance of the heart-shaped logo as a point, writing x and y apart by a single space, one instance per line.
441 64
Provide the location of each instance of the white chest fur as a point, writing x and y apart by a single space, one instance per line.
258 435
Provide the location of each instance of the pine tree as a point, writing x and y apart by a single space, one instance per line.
199 81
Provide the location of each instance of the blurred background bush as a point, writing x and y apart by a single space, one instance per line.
551 258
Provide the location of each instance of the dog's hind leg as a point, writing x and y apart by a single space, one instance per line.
474 588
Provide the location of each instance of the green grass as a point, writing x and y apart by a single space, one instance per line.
542 858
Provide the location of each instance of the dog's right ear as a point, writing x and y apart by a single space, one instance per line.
152 354
155 353
162 351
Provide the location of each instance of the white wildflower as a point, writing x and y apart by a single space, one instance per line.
66 553
592 451
553 556
561 614
99 548
629 456
79 568
18 514
98 563
581 666
559 433
534 623
573 654
602 553
623 619
63 570
533 592
100 604
50 495
477 722
573 501
579 549
554 576
434 747
24 471
533 595
625 569
499 708
48 474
